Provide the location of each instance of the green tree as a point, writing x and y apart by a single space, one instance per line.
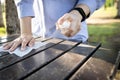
109 3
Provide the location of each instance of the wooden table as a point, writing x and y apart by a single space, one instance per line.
61 60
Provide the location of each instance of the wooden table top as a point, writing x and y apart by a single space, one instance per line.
60 60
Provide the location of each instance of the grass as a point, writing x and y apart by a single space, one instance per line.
101 32
2 31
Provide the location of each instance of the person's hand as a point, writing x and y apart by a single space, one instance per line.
23 40
69 23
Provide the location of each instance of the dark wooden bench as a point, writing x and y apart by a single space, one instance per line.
8 38
61 60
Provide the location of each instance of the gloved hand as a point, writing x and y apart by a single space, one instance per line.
69 23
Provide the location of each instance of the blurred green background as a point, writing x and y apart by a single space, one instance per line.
103 25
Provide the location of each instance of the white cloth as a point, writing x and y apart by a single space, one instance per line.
20 53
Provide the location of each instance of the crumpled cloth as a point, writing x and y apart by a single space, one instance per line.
20 53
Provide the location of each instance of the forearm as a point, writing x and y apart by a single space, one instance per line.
85 9
88 6
25 38
25 25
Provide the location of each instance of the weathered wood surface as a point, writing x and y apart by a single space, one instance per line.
57 60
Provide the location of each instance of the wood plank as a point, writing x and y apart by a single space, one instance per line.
12 59
60 68
7 38
98 67
28 65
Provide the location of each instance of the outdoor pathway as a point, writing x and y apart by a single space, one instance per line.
102 20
